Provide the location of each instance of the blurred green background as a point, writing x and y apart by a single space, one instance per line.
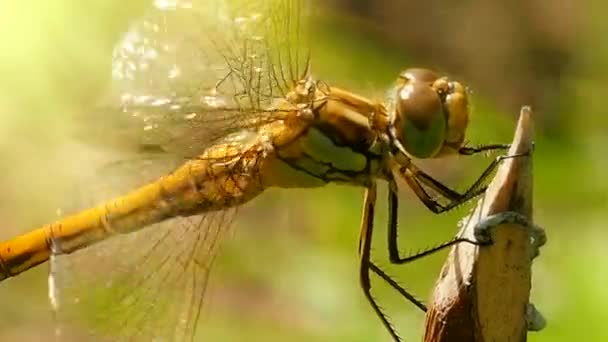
290 273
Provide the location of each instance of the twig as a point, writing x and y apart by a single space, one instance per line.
483 291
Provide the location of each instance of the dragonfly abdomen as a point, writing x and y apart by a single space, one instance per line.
226 175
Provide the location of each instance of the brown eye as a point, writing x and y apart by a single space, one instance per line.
457 107
421 119
419 75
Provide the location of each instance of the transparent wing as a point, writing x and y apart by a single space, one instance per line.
186 74
153 292
193 71
144 286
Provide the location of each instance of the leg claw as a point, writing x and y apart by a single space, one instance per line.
483 236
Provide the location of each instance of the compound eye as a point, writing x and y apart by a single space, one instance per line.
419 75
421 119
457 109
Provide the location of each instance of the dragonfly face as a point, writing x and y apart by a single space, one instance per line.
429 112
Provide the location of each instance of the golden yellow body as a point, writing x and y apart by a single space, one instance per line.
228 174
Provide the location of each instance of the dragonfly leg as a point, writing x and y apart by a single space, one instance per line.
365 243
403 292
468 151
483 236
415 178
393 246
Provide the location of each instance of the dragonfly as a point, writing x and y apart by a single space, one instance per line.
222 94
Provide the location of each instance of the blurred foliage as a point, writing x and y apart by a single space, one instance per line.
292 275
532 43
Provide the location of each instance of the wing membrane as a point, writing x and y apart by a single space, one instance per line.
146 286
192 72
186 74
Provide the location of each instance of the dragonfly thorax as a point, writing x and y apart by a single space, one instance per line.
332 137
343 137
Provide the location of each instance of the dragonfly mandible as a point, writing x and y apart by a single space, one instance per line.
224 91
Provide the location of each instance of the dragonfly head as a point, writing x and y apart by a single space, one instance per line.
428 114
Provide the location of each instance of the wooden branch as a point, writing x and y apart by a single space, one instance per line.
482 293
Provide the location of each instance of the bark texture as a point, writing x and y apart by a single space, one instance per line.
482 293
